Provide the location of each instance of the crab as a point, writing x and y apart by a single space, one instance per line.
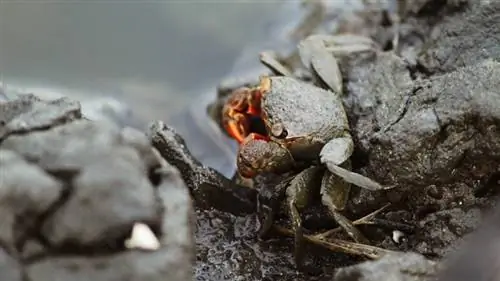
304 124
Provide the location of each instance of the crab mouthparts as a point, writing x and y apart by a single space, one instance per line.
247 173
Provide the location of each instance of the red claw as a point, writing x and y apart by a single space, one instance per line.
236 112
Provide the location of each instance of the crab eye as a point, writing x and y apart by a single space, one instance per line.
278 130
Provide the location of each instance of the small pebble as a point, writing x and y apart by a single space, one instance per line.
143 238
397 235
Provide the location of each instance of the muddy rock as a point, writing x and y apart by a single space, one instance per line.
208 187
73 190
374 86
437 139
29 113
464 39
392 267
447 130
227 249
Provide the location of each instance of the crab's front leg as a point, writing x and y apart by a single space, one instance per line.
236 112
319 51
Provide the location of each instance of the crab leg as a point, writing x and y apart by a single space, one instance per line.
323 63
368 219
319 51
297 197
268 205
334 195
356 179
269 59
335 153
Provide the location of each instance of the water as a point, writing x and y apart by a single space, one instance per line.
153 55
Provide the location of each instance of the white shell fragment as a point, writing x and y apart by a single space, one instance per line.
143 238
397 235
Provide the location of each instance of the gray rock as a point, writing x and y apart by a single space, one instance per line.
447 131
465 39
67 147
374 99
443 228
435 139
28 113
71 191
103 200
10 269
392 267
26 194
174 261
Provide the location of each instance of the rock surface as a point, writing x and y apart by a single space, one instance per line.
72 189
393 267
465 39
437 139
208 187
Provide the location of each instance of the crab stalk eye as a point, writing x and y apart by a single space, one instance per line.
278 131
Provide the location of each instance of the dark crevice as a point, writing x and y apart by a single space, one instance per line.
431 8
154 176
24 275
488 187
421 69
431 256
63 174
426 210
405 105
36 230
60 122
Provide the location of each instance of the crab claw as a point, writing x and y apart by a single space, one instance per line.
243 103
257 154
237 127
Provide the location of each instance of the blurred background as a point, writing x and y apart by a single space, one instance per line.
156 56
143 60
